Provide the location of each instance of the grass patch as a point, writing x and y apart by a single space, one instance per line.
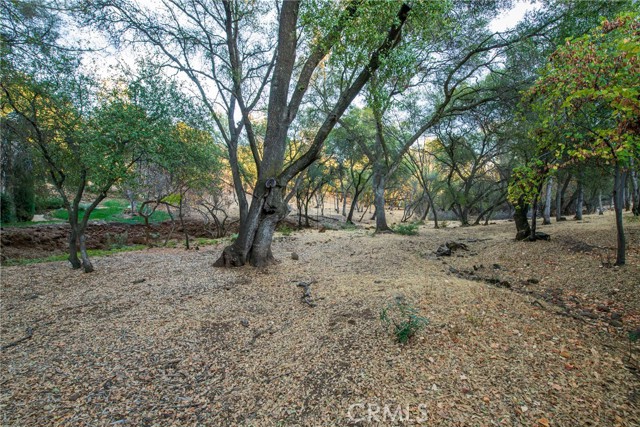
349 226
406 229
111 211
203 241
64 257
285 230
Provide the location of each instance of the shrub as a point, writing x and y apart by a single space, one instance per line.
24 201
116 240
285 230
48 203
402 319
406 229
6 208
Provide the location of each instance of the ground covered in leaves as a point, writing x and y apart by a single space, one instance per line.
520 334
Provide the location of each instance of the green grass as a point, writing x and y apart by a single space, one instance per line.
111 211
64 257
410 229
202 241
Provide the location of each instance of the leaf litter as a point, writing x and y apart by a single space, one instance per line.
195 345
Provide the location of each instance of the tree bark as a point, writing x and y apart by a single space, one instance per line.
534 217
547 203
73 244
378 192
580 196
86 263
635 189
618 200
523 230
354 203
600 208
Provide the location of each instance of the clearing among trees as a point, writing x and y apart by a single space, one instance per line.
158 337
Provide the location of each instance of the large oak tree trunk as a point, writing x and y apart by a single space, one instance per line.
523 230
268 205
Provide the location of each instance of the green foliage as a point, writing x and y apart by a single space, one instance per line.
285 230
587 99
402 319
6 208
525 182
202 241
24 200
47 203
111 211
410 229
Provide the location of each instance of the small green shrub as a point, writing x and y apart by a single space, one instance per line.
444 224
410 229
233 237
24 201
48 203
202 241
6 208
116 240
285 230
349 226
402 319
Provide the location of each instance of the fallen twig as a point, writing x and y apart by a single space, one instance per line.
306 296
259 333
28 335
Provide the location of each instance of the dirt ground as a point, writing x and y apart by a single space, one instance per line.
534 335
43 240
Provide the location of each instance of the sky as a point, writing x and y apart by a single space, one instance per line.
509 19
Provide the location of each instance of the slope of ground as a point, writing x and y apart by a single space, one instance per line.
159 337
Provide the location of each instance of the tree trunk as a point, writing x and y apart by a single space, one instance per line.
86 264
534 217
627 194
378 191
600 208
354 203
558 203
635 189
73 243
434 210
560 197
268 205
580 196
344 203
523 230
618 199
181 218
547 203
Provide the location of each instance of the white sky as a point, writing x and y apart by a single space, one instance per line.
508 20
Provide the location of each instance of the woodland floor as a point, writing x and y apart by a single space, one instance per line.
159 337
